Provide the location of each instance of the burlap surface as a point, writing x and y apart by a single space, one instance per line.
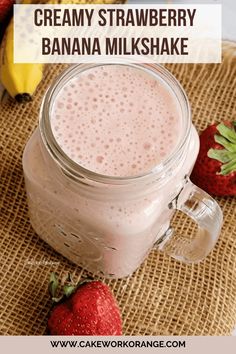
163 297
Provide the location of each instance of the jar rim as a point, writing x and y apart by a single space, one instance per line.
78 172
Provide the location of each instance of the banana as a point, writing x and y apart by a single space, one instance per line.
21 80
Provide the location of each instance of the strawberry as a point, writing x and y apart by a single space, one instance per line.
5 7
88 309
215 168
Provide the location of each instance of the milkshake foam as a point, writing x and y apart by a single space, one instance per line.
116 120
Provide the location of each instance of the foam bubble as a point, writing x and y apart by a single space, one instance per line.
99 159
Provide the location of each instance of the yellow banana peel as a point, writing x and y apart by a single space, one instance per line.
20 80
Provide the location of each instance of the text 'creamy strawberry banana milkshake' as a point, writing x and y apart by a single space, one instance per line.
108 166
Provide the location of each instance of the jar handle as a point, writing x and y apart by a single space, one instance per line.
205 211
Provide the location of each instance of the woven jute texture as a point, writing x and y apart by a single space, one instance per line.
164 296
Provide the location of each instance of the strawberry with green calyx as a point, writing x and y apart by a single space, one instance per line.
87 308
215 168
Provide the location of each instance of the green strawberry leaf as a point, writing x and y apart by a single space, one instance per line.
226 156
228 133
225 142
53 284
221 155
68 290
228 167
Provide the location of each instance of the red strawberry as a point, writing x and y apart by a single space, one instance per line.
5 7
90 309
215 168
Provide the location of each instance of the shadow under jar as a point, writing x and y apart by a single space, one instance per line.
99 208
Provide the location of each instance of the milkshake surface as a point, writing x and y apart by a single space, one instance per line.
116 120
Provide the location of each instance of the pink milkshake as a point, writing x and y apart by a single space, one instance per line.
116 120
112 153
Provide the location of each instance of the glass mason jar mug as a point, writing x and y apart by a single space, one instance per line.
108 224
